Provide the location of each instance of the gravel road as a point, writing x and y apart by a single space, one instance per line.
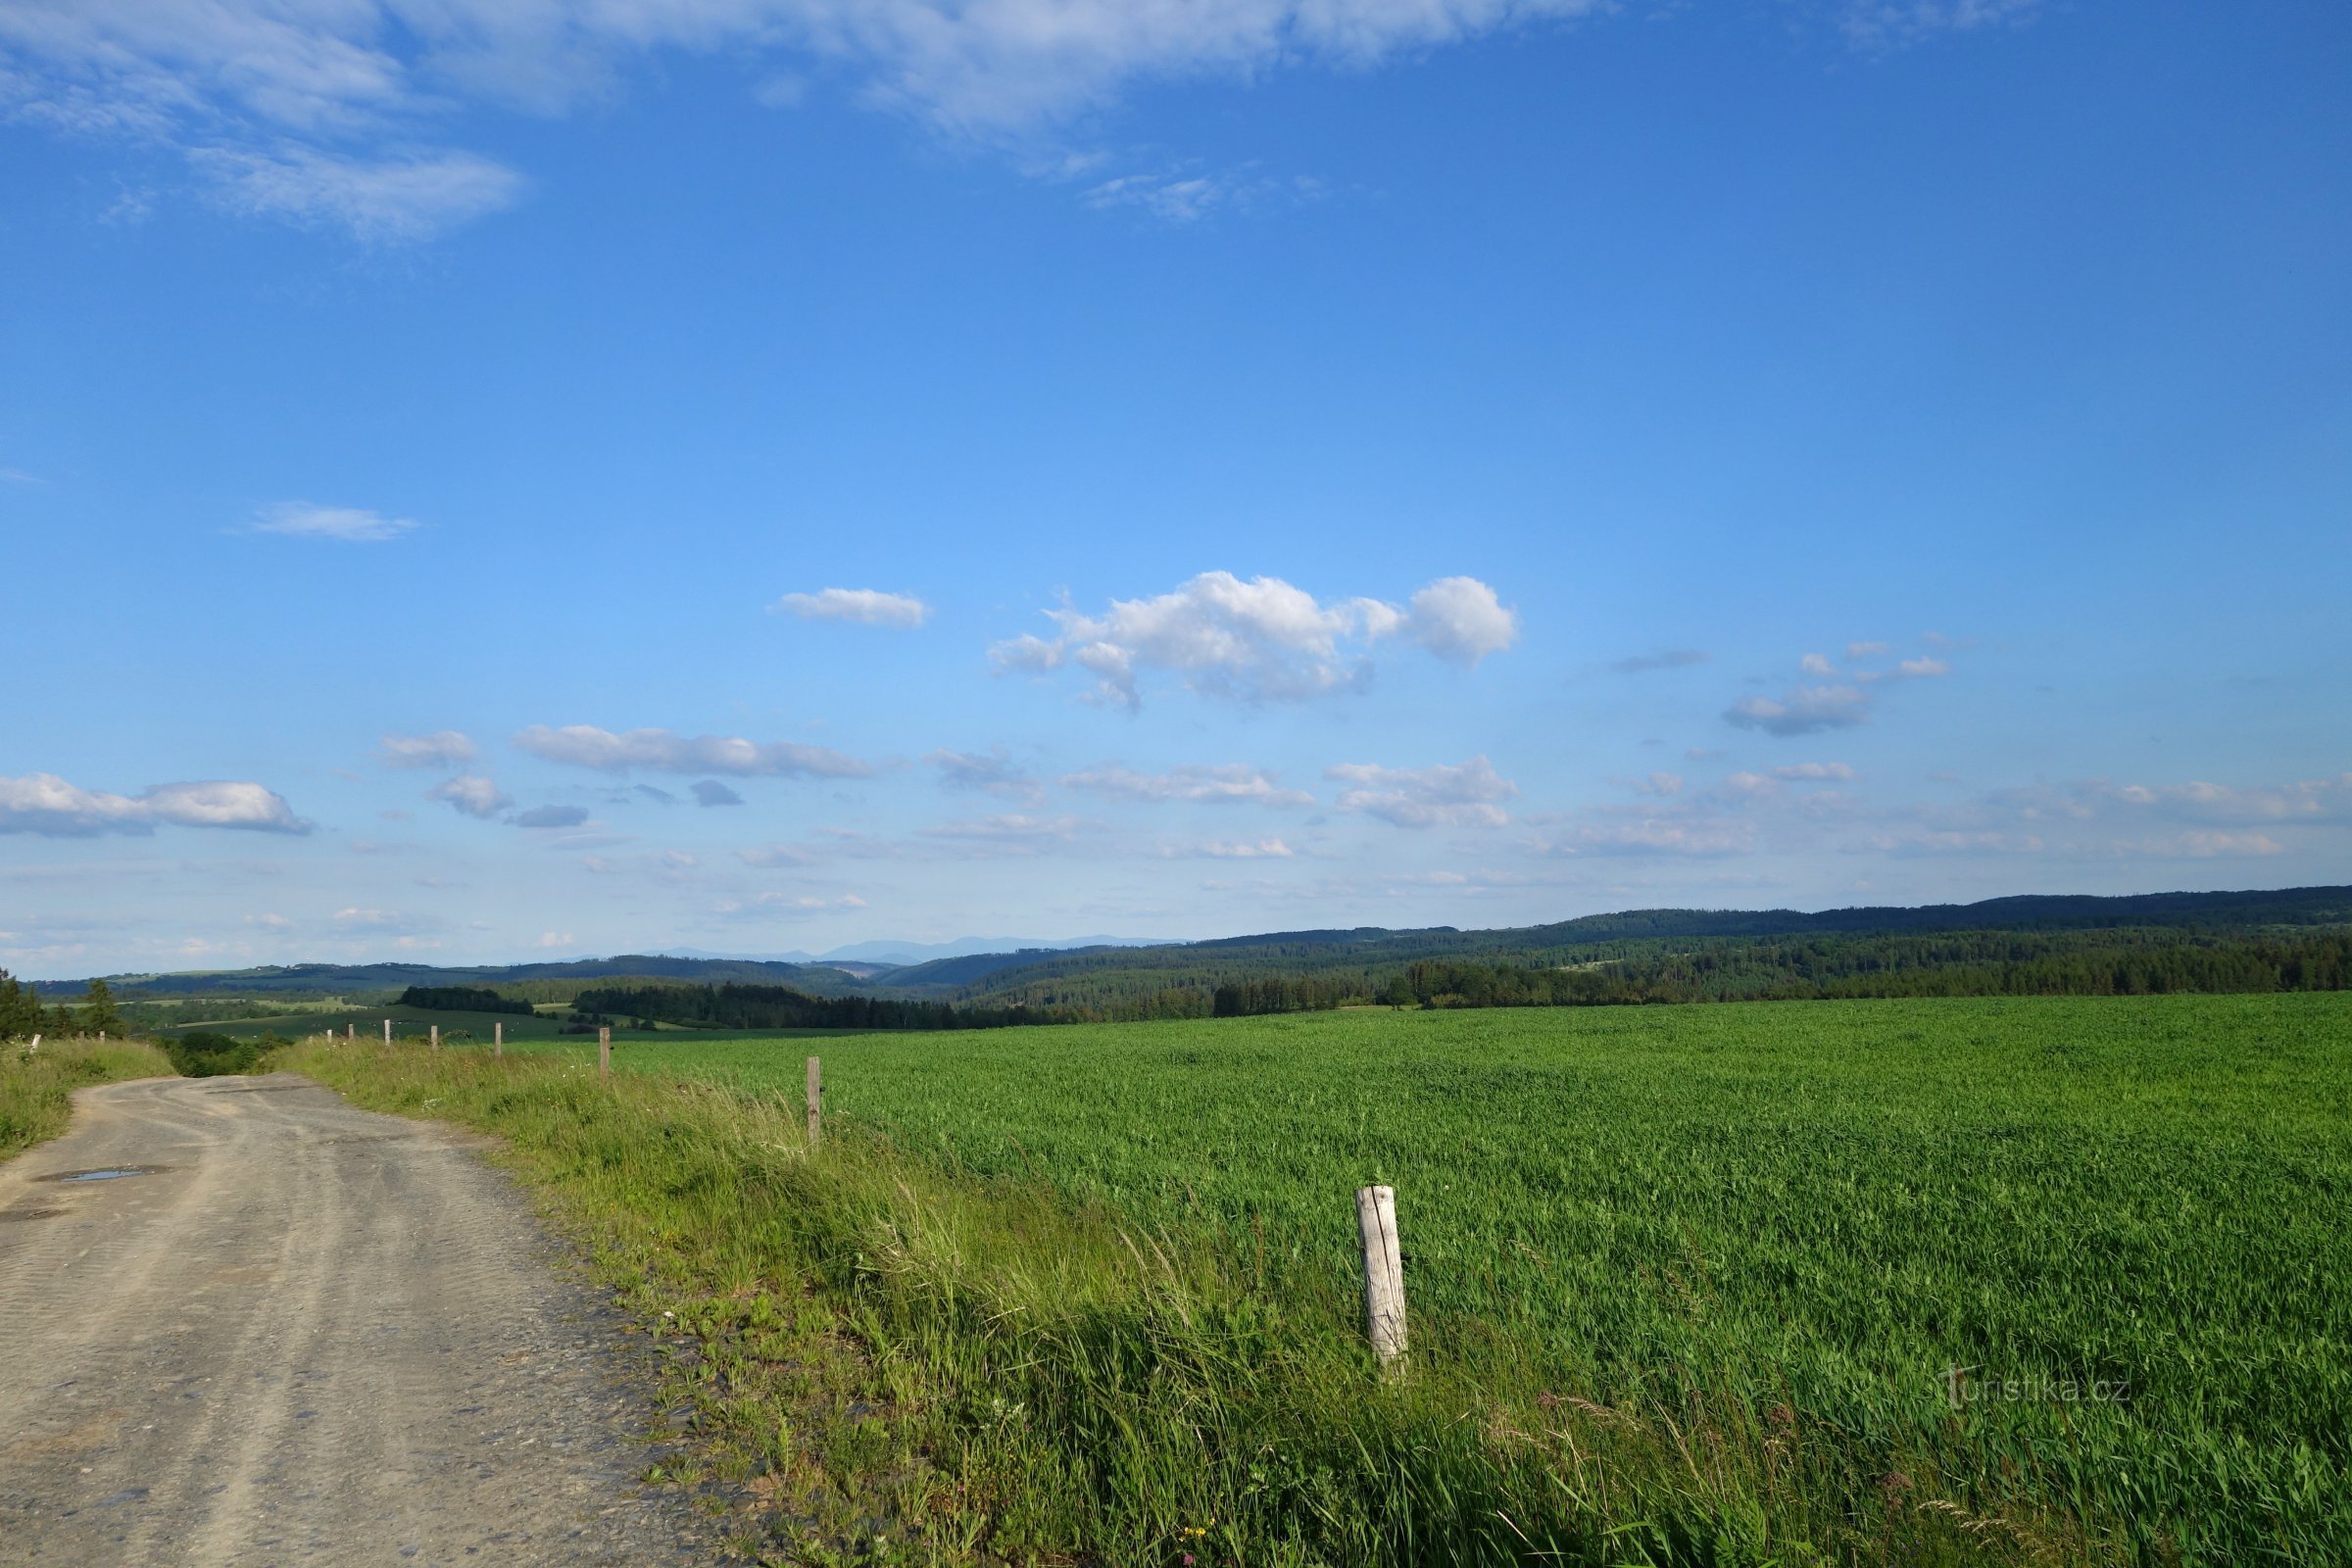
303 1333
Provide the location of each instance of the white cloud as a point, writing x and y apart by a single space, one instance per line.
1798 772
1864 649
664 752
1663 659
1459 618
470 794
444 747
555 939
867 606
1817 665
46 805
1010 828
1461 796
786 906
1917 668
993 772
1659 784
1262 640
1804 711
1657 836
330 111
775 856
402 198
1241 849
303 521
1225 782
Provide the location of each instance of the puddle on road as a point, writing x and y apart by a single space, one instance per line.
104 1173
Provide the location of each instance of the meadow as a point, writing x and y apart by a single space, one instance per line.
2054 1280
36 1085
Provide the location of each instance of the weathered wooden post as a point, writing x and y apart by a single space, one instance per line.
350 1031
436 1036
604 1051
1383 1274
387 1031
498 1040
816 1102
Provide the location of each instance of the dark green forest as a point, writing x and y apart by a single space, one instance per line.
734 1007
461 998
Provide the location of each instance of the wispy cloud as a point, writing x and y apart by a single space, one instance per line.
1220 783
46 805
399 198
864 607
1260 640
301 519
661 750
710 792
991 772
1464 795
1663 659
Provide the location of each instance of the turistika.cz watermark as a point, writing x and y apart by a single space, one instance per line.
1963 1388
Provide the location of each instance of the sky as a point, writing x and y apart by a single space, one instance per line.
485 480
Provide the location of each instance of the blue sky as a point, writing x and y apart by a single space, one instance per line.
484 481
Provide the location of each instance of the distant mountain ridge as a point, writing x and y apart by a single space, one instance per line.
969 974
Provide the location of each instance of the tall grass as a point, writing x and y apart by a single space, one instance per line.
36 1085
918 1358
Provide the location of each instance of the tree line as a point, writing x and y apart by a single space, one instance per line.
1977 964
462 999
21 1015
748 1006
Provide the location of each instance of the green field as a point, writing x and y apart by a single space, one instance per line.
1755 1213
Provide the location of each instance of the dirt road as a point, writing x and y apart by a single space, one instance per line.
302 1333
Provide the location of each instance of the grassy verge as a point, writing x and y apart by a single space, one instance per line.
907 1362
37 1086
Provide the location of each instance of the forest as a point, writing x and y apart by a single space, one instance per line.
741 1006
461 998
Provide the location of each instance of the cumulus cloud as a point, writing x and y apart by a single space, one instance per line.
661 750
470 794
303 521
865 607
1225 782
1261 640
710 792
46 805
1464 795
1803 711
991 772
445 747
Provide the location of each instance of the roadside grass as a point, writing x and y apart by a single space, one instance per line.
908 1359
37 1086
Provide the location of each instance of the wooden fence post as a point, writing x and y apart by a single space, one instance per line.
603 1052
36 1044
387 1031
498 1040
1384 1273
436 1036
816 1102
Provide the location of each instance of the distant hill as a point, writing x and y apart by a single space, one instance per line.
1046 974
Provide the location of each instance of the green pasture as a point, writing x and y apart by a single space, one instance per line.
2119 1230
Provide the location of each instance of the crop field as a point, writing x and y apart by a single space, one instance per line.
2088 1260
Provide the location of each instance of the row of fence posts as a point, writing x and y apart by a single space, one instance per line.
1375 1212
